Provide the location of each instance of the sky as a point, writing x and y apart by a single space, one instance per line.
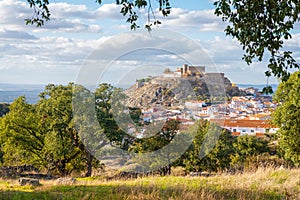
80 31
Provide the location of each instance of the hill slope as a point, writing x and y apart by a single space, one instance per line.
174 91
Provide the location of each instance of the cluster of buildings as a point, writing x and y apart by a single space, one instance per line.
242 115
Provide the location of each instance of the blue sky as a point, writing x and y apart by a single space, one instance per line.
56 52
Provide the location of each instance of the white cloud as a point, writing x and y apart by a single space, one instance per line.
65 10
109 11
44 60
56 51
212 27
56 25
13 14
227 53
45 52
64 18
200 20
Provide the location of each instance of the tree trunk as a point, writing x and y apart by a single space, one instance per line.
169 169
62 168
89 160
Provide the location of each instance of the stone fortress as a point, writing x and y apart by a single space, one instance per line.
191 71
174 87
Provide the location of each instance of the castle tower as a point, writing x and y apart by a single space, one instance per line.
185 70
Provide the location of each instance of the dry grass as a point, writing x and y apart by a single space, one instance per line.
262 184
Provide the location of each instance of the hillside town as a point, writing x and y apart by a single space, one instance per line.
248 113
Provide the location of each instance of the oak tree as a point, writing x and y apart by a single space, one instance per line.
43 134
287 118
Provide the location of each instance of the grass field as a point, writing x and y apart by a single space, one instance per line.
263 184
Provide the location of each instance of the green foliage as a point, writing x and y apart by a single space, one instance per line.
106 114
229 151
159 139
287 117
135 114
129 9
62 140
44 134
95 119
4 108
21 134
214 159
261 27
155 143
267 90
247 146
41 12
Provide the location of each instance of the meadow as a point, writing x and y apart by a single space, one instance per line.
263 184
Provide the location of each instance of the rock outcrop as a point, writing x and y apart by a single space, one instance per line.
174 91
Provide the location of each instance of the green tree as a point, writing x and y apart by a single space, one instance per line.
210 153
4 108
44 134
102 119
245 147
107 115
227 152
22 136
62 143
63 146
287 117
155 143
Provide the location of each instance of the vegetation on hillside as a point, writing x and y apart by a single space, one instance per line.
4 109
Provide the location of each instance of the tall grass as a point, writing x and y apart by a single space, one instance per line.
262 184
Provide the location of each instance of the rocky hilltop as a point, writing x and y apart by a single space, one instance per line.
172 90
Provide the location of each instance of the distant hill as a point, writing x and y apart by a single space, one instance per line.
9 92
258 86
173 91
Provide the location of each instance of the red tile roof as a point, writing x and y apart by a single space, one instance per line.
243 123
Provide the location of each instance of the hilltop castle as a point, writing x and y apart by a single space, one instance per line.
191 71
187 72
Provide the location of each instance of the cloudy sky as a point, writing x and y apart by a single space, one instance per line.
81 31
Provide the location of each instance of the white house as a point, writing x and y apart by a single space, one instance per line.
246 127
194 104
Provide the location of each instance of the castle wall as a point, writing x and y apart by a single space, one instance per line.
172 75
193 70
215 75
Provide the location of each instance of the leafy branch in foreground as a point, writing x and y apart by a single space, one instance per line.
262 27
129 9
41 12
